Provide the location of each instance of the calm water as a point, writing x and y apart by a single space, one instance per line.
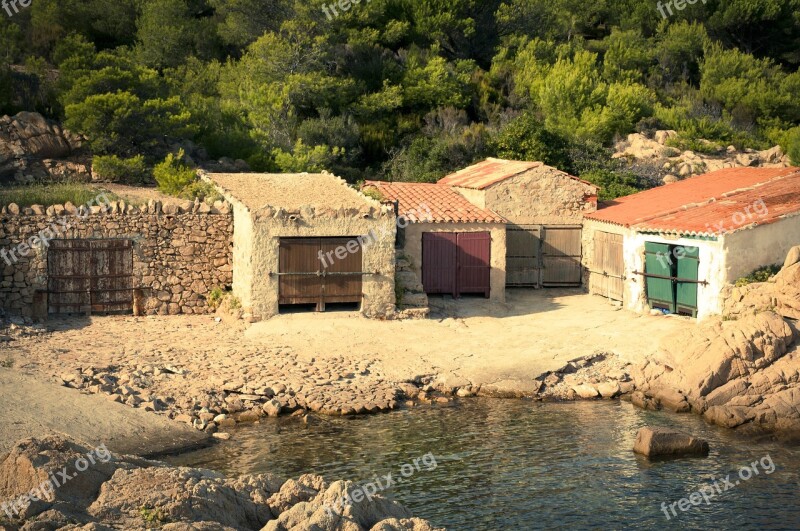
527 465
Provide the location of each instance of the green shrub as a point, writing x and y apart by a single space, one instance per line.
759 275
173 176
51 194
215 298
118 170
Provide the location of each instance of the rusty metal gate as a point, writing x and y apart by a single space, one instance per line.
90 276
523 253
607 274
457 263
312 272
561 256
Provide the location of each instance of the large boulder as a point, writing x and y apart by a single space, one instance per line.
661 442
735 373
182 494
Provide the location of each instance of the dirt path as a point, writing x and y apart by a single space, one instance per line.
33 408
198 371
478 342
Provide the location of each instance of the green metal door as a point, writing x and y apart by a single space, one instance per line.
658 263
688 265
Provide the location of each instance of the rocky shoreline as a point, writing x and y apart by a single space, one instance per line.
96 490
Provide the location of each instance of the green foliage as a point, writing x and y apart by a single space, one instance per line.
117 170
368 94
762 274
612 184
51 194
173 176
215 297
152 517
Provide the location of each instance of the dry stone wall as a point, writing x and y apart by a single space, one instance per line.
180 253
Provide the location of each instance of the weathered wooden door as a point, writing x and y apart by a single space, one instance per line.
672 277
310 271
561 256
439 262
456 263
90 276
474 263
607 276
523 245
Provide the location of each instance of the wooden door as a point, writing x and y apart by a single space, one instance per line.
607 275
90 276
561 256
523 245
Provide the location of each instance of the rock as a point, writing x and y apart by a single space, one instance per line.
670 179
609 389
661 442
404 524
792 258
662 136
273 407
585 391
248 416
672 400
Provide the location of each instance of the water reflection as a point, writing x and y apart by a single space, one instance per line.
526 465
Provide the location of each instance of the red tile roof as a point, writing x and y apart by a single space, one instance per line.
433 203
710 205
492 171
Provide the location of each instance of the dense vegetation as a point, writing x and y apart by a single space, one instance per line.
405 89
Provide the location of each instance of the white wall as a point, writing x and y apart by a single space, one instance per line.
749 249
711 269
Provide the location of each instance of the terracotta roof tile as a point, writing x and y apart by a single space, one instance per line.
492 171
711 204
433 203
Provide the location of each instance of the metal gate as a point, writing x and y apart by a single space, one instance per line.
523 256
561 256
312 272
607 276
456 263
90 276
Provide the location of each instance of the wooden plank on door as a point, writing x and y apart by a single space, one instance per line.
439 262
523 244
343 280
300 271
474 263
561 256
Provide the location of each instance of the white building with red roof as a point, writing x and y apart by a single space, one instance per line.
677 248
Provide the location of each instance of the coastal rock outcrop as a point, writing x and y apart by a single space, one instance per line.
33 148
124 492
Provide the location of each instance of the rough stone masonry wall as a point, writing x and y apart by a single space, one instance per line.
542 196
179 254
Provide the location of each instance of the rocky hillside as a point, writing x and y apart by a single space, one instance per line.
35 149
671 164
98 490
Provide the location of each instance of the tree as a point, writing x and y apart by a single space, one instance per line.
165 33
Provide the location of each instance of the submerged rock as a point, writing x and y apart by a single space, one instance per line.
661 442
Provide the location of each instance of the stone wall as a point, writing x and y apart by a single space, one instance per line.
541 196
179 253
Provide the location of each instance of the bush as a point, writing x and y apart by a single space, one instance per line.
118 170
51 194
759 275
173 176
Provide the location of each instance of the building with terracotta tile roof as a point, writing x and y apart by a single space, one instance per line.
455 247
544 207
679 247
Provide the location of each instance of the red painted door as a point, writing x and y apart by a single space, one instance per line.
474 263
439 262
456 263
